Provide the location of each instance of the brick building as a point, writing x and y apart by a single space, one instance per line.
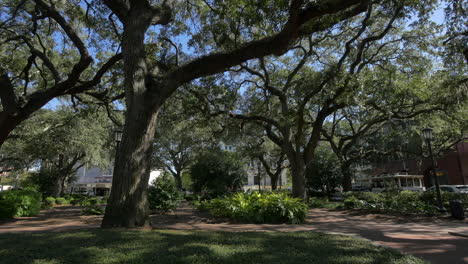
452 168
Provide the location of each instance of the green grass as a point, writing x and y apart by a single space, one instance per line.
122 246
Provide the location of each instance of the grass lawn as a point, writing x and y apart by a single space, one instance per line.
122 246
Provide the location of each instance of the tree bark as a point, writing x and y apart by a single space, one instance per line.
274 182
128 203
128 206
7 123
178 180
298 179
347 177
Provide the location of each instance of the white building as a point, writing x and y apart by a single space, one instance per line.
258 178
256 174
95 181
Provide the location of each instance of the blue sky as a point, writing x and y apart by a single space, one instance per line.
437 16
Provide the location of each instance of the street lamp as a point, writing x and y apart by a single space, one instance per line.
118 136
427 134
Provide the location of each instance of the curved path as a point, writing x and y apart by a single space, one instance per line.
423 237
427 238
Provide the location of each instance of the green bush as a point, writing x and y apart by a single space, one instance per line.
19 203
94 201
61 201
104 200
78 199
404 202
93 209
351 202
257 207
49 202
192 197
217 173
163 195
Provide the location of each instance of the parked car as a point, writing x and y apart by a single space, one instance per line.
451 188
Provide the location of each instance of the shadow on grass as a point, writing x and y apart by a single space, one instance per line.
146 246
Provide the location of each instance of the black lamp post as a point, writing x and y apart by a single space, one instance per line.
427 134
118 137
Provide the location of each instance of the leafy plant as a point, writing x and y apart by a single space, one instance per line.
93 209
104 200
404 202
217 173
61 201
257 207
49 202
79 199
19 203
163 195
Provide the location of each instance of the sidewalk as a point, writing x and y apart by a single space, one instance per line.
426 238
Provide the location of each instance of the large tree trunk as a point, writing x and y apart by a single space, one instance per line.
7 123
57 189
128 204
274 183
347 177
298 179
178 180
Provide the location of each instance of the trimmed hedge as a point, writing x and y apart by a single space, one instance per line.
404 202
257 207
93 209
61 200
49 202
19 203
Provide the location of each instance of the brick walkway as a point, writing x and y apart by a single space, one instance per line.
424 237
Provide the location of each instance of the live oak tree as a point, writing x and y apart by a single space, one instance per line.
180 135
292 97
222 34
456 37
152 76
59 142
398 98
45 53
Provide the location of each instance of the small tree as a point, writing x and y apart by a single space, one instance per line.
217 172
163 195
323 173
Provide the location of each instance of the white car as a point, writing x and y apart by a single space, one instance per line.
451 188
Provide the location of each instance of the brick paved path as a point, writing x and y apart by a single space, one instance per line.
427 238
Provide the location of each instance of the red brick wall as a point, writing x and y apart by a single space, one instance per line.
455 163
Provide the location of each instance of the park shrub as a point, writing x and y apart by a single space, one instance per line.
19 203
192 197
61 200
318 202
78 199
93 209
49 202
257 207
163 195
404 202
216 173
94 201
104 200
